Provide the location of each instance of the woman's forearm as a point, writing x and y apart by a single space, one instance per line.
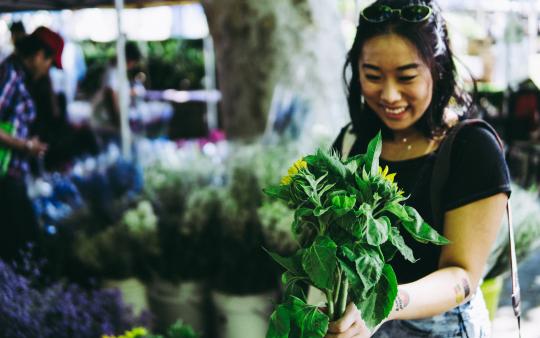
11 142
434 294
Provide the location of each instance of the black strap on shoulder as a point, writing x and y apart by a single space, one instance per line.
441 169
439 177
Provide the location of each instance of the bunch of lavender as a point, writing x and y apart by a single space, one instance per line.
59 310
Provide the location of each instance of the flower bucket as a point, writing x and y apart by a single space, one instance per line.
172 301
133 292
242 316
491 289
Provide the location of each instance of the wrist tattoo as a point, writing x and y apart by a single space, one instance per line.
462 290
402 300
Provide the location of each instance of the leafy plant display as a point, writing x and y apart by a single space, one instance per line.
177 330
348 219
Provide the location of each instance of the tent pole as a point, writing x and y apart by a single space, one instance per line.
210 81
123 90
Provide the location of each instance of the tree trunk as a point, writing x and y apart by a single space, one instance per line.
294 44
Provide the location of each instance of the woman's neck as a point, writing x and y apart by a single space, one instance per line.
407 135
407 144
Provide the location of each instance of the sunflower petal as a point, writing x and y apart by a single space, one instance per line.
286 180
385 172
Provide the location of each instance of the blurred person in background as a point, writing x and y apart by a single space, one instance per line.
35 55
17 31
106 119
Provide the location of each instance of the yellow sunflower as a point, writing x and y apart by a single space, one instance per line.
293 170
384 173
390 178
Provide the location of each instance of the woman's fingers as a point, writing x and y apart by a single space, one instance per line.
350 316
357 330
349 326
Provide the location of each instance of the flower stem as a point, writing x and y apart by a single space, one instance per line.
342 304
330 304
338 286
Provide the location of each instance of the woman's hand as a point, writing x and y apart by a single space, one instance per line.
349 326
35 148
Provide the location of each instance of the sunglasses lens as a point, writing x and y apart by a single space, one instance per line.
415 13
377 13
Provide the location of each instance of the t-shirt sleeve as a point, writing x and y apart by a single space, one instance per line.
478 168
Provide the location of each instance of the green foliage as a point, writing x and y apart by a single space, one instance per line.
295 318
170 64
348 219
176 330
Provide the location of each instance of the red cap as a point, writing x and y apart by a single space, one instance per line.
54 41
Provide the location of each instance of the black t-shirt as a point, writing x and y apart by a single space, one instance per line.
478 170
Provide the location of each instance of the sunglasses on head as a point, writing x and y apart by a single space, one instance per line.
382 13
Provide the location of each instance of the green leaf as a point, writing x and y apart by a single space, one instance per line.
319 211
381 299
278 191
311 160
373 154
333 163
368 265
398 241
280 323
420 230
365 175
342 204
181 330
311 322
351 223
359 159
352 167
377 230
293 263
398 210
319 262
388 250
325 189
290 281
302 212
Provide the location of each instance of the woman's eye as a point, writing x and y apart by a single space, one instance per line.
406 78
373 77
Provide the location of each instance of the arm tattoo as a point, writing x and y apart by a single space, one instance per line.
402 300
462 290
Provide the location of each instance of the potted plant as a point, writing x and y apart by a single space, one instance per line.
178 184
122 254
179 291
245 280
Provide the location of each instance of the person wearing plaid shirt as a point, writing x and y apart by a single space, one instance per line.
34 56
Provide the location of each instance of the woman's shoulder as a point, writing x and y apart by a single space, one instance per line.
476 135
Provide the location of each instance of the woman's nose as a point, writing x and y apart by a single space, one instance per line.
390 92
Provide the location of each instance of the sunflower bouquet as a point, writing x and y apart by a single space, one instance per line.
349 216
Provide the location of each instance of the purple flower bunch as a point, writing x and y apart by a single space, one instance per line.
60 310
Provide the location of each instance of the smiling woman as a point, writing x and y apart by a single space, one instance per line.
403 82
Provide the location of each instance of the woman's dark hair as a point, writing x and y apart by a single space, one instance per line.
430 37
29 45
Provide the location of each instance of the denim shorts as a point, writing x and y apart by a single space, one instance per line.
469 320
